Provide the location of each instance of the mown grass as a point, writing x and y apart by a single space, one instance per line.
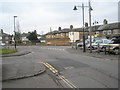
6 51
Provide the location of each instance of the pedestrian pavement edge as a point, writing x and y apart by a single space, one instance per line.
39 72
19 53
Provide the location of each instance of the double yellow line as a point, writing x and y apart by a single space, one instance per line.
60 76
50 67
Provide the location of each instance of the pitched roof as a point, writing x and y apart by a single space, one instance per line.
66 30
25 34
110 26
80 29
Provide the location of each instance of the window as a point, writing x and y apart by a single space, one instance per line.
109 32
6 38
104 33
115 31
97 33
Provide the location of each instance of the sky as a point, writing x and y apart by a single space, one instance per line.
41 15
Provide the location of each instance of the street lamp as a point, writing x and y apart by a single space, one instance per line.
75 8
14 32
71 28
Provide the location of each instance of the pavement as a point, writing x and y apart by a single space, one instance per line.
95 53
15 71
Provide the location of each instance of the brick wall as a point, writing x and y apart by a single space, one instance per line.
57 42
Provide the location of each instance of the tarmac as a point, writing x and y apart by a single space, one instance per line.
13 72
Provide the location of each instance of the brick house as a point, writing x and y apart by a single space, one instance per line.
60 37
67 36
109 30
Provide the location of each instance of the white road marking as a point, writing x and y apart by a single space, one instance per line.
70 67
60 76
53 48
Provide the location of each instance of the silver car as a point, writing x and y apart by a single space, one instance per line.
99 43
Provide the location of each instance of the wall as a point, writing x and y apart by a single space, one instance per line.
57 42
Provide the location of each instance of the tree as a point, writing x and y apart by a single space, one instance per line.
33 36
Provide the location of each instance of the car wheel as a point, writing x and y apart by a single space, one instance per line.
116 51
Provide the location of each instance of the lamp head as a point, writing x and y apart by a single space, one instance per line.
91 8
75 8
15 16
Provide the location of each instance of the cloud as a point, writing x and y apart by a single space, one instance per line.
41 15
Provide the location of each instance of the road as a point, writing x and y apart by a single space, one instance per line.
79 71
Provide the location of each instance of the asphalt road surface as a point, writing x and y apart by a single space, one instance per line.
75 70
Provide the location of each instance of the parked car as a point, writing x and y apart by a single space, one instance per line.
2 44
80 44
100 42
113 46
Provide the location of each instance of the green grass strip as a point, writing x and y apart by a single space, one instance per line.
6 51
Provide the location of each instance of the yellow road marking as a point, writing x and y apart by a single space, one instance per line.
60 76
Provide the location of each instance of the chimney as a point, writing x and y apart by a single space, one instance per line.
105 22
86 24
1 31
59 29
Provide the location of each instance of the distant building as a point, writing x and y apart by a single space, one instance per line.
60 37
109 30
24 38
5 38
68 36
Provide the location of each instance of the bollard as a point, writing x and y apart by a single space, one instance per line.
109 49
98 48
105 50
76 46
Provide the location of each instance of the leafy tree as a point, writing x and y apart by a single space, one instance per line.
33 36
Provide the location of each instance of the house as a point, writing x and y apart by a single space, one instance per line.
76 34
67 36
109 30
39 36
24 38
60 37
5 38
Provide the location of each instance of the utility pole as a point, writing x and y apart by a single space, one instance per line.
90 8
84 46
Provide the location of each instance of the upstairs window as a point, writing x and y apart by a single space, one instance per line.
104 32
109 32
97 33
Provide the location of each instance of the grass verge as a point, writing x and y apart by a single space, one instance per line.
6 51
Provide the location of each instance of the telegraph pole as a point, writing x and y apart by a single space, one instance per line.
90 27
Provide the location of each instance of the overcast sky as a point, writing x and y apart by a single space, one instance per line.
40 15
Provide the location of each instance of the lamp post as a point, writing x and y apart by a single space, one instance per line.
75 8
14 32
71 28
